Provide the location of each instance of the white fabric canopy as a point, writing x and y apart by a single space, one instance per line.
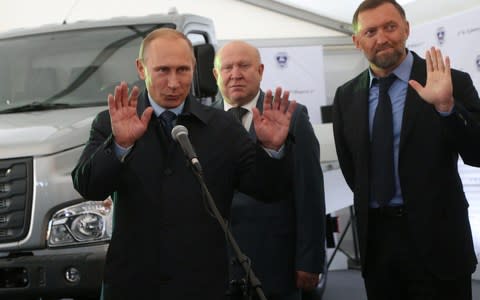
234 19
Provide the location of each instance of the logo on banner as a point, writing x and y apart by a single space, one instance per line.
478 62
282 59
440 35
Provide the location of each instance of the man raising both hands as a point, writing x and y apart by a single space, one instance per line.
165 244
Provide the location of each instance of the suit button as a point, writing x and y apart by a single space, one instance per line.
168 172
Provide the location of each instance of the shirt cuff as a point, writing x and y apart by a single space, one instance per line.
121 152
446 113
274 153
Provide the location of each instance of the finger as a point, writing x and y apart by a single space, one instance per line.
124 94
284 104
111 104
267 103
434 55
416 86
146 116
428 59
132 101
447 65
277 99
116 96
440 63
291 108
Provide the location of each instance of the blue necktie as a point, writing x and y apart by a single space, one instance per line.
382 162
167 119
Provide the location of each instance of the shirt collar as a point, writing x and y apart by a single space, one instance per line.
402 71
158 109
249 106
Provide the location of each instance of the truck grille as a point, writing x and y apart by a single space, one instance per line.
16 183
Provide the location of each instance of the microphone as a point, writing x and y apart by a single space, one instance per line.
180 135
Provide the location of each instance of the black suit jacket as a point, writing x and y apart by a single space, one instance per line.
165 242
287 235
429 147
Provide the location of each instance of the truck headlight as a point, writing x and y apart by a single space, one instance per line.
86 222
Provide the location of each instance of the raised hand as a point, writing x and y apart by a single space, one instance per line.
272 126
438 90
127 127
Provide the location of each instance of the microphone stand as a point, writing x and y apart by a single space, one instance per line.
241 257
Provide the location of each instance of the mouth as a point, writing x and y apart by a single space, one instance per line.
172 97
236 87
384 49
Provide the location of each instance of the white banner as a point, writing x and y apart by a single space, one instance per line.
300 70
458 36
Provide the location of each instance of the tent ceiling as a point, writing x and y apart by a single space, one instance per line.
234 19
418 11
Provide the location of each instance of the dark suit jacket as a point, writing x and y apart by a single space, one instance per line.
165 244
429 147
288 235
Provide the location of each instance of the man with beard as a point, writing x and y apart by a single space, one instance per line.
399 128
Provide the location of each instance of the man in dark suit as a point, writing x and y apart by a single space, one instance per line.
285 240
414 232
165 243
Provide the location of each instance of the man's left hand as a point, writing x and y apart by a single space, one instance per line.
272 126
438 90
306 281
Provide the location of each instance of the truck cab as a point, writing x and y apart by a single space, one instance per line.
54 80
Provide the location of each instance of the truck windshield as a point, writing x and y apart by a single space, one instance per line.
68 68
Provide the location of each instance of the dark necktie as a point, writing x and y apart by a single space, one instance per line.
382 162
238 112
167 118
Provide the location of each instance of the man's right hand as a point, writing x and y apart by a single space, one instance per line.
127 127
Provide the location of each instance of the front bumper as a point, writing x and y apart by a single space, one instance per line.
43 273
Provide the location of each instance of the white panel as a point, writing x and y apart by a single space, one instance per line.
300 70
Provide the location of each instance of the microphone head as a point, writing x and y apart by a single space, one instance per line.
178 130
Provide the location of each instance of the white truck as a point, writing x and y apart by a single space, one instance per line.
53 81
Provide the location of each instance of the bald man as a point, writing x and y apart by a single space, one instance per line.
285 240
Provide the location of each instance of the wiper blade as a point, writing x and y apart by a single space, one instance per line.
37 106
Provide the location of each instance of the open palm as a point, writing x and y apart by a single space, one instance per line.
273 124
438 89
127 127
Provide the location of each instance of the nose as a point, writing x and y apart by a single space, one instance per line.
381 37
236 73
173 82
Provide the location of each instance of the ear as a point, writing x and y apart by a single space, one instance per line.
407 28
356 41
261 67
215 73
140 69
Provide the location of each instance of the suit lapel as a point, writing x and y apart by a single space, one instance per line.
149 153
360 111
218 103
413 102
